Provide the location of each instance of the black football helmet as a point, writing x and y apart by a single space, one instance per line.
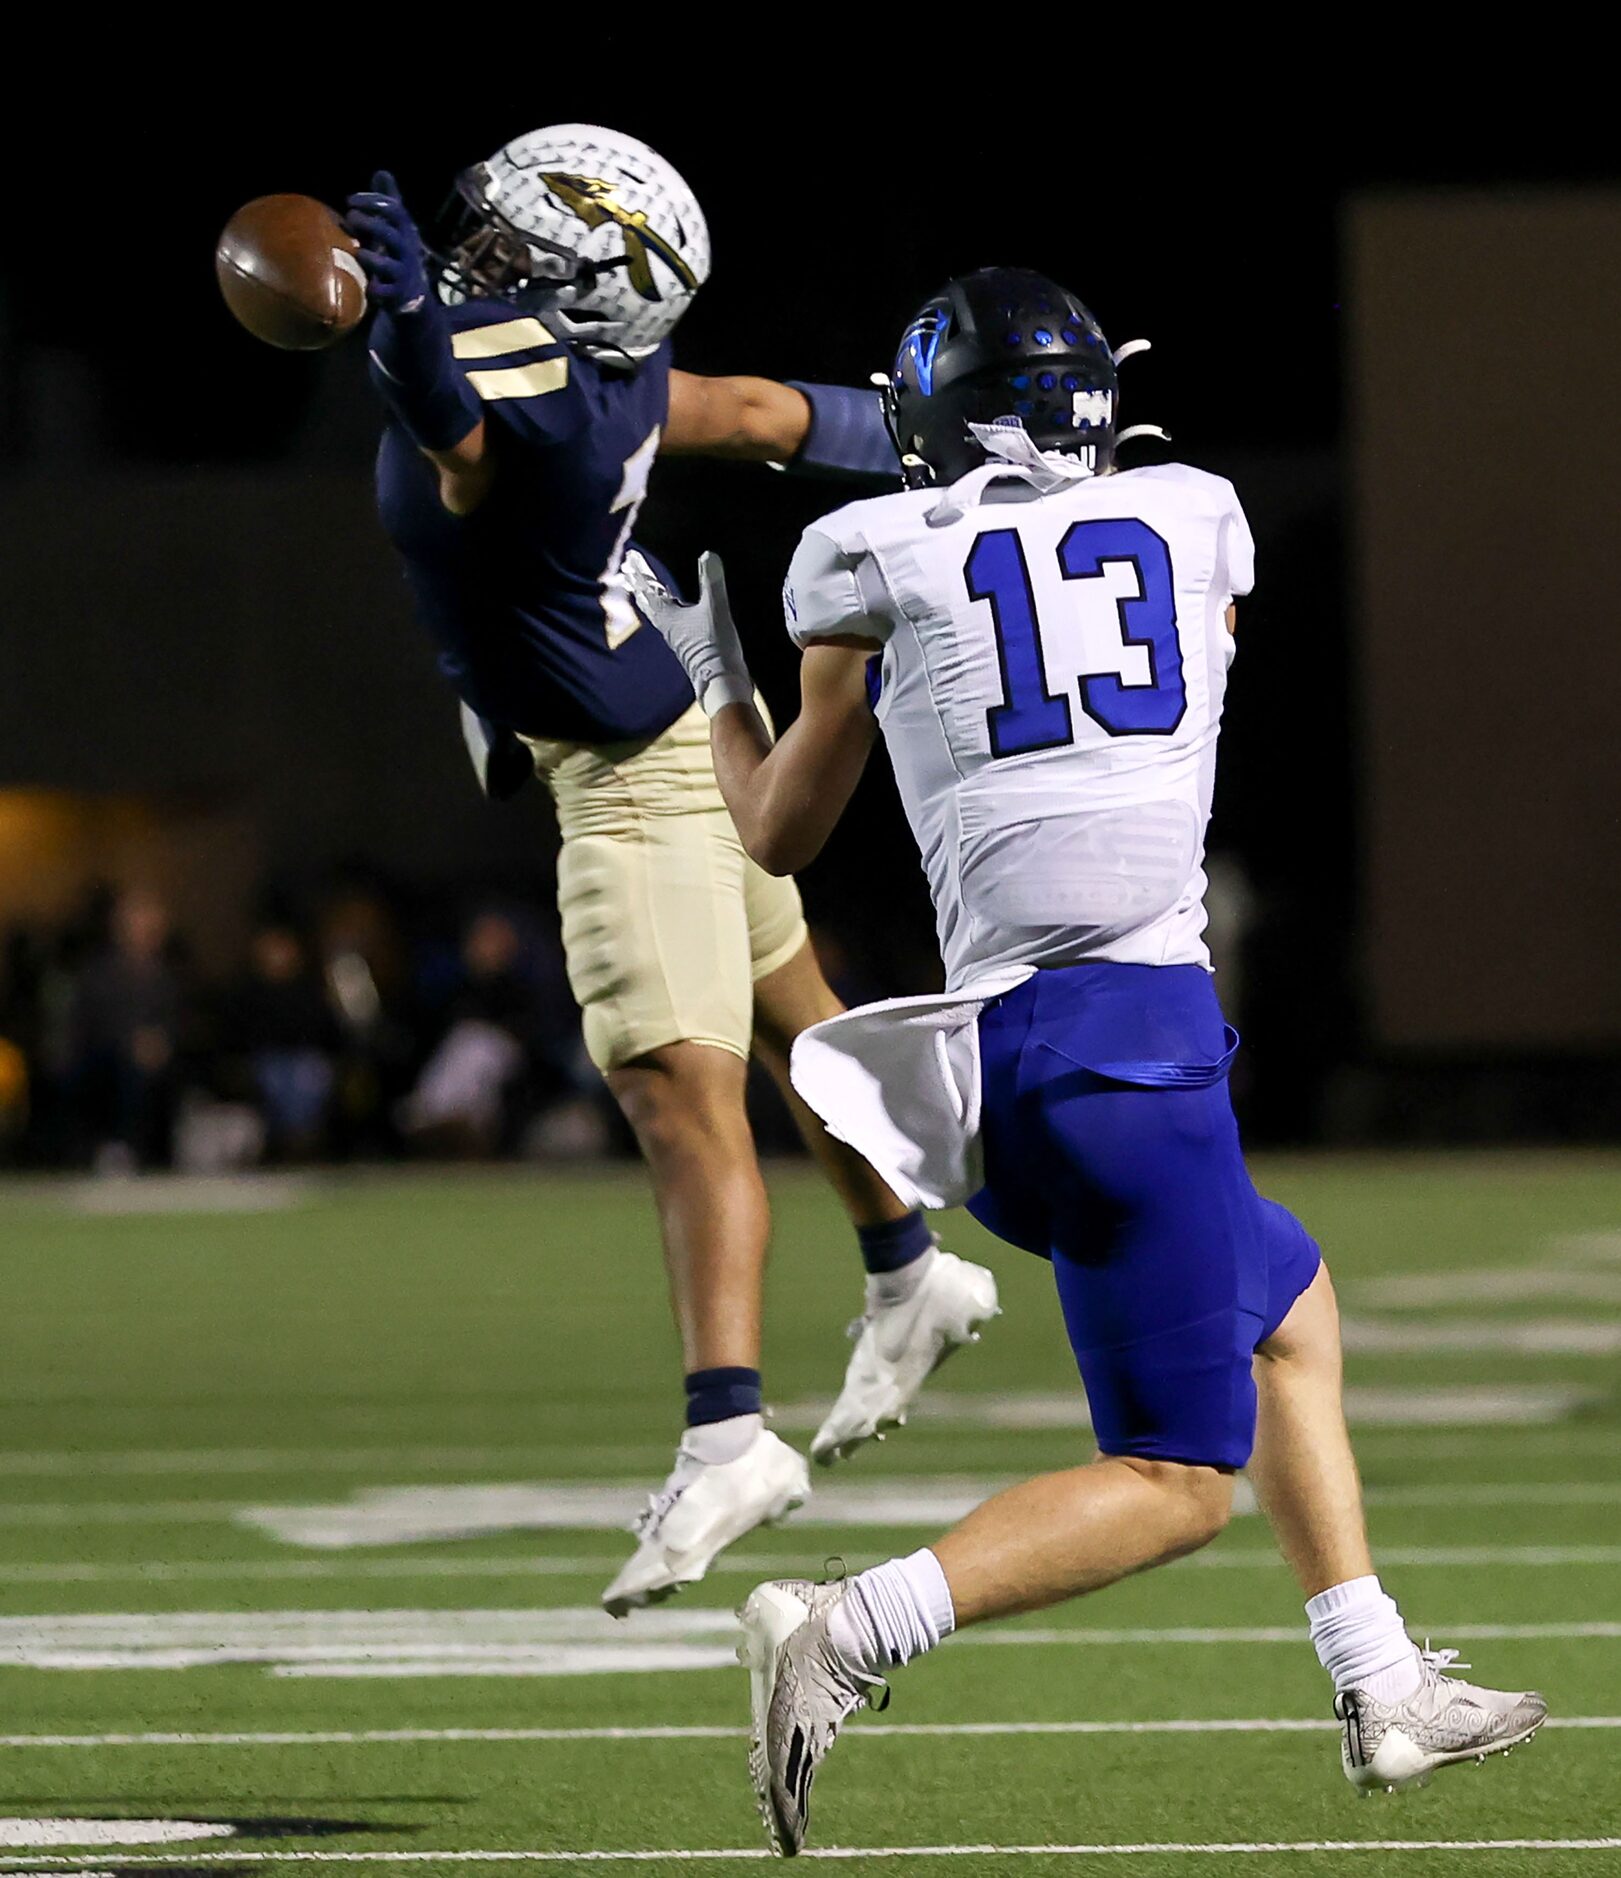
1004 342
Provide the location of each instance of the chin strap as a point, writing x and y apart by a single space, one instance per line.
1010 443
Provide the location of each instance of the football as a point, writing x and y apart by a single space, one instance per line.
286 266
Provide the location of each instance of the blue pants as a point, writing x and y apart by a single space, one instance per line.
1111 1148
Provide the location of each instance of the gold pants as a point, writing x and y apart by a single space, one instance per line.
667 923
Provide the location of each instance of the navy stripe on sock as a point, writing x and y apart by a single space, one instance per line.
716 1395
896 1243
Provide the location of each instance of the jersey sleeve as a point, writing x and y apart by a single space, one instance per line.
523 378
1235 549
832 589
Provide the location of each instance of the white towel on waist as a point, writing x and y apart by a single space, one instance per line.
899 1081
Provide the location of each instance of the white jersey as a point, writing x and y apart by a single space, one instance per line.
1055 656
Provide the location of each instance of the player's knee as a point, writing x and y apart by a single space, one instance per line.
686 1109
1198 1500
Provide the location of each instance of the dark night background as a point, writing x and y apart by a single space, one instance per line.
198 609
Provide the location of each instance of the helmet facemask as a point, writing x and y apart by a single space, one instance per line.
480 254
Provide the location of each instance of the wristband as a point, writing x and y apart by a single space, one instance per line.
416 373
848 436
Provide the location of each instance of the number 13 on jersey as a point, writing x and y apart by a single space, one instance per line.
1031 715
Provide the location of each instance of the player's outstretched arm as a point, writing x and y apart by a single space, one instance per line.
409 346
785 798
753 419
813 430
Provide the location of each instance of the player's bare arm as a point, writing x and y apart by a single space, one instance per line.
755 420
787 797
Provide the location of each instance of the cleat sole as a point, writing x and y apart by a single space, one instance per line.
890 1419
1421 1776
767 1618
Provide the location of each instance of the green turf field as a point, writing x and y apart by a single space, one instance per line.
306 1508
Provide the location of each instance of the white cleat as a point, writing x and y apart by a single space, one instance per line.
1443 1722
699 1511
801 1693
898 1347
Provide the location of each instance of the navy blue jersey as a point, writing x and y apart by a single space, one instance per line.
525 597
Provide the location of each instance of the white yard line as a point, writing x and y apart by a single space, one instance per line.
1507 1284
1463 1405
116 1463
164 1194
181 1571
1270 1633
1419 1437
386 1737
1502 1493
1482 1336
1148 1849
1237 1559
742 1565
118 1512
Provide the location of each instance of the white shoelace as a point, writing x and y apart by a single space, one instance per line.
658 1504
1438 1662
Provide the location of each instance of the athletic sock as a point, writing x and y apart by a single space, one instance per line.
892 1613
716 1443
895 1243
896 1256
716 1395
1362 1642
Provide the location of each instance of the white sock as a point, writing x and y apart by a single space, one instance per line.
1362 1642
897 1286
892 1613
715 1443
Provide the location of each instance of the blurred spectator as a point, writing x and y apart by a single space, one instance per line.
125 1029
466 1098
367 1023
289 1034
363 962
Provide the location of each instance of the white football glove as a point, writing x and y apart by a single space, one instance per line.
701 636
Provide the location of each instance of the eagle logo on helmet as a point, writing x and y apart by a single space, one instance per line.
595 202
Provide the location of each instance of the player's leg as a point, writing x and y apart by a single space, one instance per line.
684 1102
1403 1716
1303 1470
1130 1188
656 937
921 1303
1064 1534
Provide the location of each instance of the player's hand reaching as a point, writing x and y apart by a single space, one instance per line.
413 365
702 636
391 249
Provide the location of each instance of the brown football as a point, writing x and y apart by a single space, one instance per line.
287 270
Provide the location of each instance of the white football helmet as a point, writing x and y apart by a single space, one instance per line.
587 225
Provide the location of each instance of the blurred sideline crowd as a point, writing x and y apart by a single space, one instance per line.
363 1027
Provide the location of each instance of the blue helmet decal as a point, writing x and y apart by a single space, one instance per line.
922 341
